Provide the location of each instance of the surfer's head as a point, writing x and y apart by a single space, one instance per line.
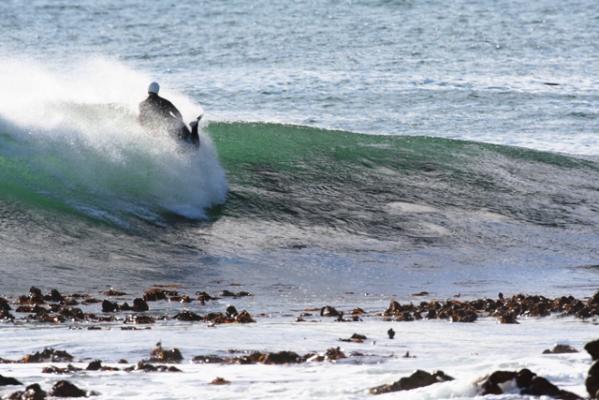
154 88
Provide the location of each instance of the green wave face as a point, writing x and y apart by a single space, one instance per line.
371 185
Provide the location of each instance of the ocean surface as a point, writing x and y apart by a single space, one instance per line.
351 150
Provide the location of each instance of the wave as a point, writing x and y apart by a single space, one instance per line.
72 143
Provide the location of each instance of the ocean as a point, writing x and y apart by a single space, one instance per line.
352 152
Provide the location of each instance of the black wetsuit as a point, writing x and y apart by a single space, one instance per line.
157 113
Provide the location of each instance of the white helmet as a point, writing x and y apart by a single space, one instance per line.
154 88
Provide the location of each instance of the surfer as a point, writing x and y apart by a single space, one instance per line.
157 113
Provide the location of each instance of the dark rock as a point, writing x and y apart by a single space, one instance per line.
188 316
55 296
244 317
48 355
219 381
114 293
490 385
508 318
159 354
560 349
416 380
147 367
328 311
204 297
542 387
334 353
109 306
140 319
524 378
7 380
32 392
355 338
282 357
66 389
95 365
139 305
593 349
155 294
208 359
228 293
52 369
4 306
592 381
231 311
391 333
423 293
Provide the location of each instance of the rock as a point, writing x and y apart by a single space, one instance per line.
281 357
66 389
147 367
219 381
109 306
524 377
334 353
508 318
95 365
423 293
4 306
490 384
244 318
155 294
355 338
592 381
416 380
32 392
48 355
139 305
328 311
52 369
114 293
188 316
228 293
391 333
358 311
55 296
6 381
140 319
159 354
560 349
593 349
542 387
231 311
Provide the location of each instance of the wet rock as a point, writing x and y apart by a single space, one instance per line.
560 349
231 311
391 333
490 384
542 387
147 367
4 306
32 392
355 338
507 318
592 381
244 317
140 319
109 306
155 294
52 369
208 359
114 293
281 357
159 354
423 293
219 381
139 305
593 349
416 380
7 380
188 316
228 293
54 296
204 297
393 309
48 355
66 389
328 311
358 311
524 377
95 365
334 353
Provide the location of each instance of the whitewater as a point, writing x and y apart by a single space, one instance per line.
352 153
